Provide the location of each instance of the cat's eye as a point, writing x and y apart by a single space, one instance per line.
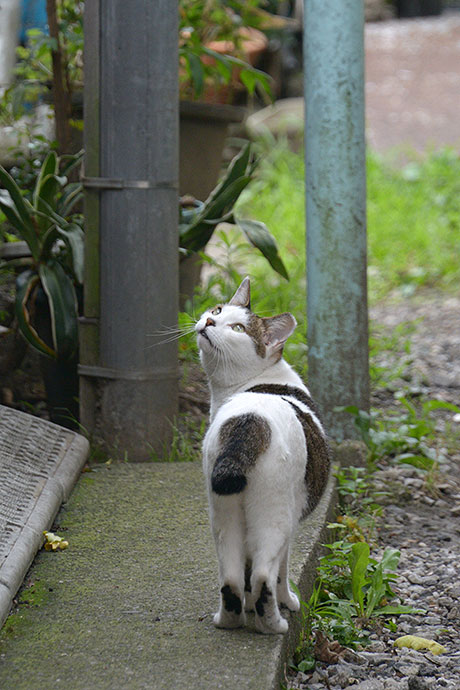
216 311
238 327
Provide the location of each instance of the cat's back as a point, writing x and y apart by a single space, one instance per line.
264 411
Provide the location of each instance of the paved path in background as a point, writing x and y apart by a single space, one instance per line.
413 82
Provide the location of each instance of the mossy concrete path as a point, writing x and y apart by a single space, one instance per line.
129 603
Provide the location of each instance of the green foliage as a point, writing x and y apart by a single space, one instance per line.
202 22
197 228
33 72
414 221
351 590
402 436
413 225
54 234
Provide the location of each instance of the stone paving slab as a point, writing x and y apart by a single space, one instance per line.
39 465
129 604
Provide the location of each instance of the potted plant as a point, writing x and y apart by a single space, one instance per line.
198 221
219 44
49 280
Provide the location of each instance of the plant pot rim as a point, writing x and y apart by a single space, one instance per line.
200 110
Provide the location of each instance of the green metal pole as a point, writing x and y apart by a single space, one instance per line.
336 209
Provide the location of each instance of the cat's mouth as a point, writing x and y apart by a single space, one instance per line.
204 335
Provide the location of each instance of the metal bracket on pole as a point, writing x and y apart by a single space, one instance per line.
109 373
114 183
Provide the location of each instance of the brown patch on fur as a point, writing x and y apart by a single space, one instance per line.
318 461
292 391
243 439
255 330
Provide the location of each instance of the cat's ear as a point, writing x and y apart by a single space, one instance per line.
242 297
278 329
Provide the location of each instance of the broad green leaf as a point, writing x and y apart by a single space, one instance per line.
46 200
238 168
75 239
440 405
390 559
49 168
395 610
260 237
72 194
196 72
71 161
375 591
63 308
26 283
419 461
197 234
22 210
358 560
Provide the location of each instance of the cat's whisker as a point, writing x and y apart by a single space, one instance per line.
171 337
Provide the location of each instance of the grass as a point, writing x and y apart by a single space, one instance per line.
413 236
413 219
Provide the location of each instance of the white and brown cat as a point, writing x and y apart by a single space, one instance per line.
265 458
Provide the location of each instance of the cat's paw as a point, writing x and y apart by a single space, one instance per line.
271 627
290 601
223 619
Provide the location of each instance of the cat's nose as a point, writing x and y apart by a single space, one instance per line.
210 322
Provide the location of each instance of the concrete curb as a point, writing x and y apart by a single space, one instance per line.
54 476
305 554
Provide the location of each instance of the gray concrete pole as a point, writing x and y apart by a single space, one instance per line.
129 389
336 208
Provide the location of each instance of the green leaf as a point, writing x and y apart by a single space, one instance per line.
261 238
238 168
396 610
196 72
26 284
420 461
50 168
74 237
358 560
440 405
196 235
390 559
46 200
22 218
72 194
376 590
63 308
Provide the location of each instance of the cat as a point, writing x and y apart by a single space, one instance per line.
265 458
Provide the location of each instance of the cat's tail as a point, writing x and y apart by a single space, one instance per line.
243 439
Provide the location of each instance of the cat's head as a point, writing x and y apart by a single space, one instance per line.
233 341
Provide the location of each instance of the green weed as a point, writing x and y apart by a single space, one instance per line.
403 436
352 590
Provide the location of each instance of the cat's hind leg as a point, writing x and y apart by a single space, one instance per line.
228 530
264 585
249 602
286 596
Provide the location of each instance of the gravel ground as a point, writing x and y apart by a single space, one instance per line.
421 520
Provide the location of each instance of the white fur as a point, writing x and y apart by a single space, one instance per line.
256 524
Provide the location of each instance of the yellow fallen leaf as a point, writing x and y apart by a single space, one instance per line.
53 542
414 642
